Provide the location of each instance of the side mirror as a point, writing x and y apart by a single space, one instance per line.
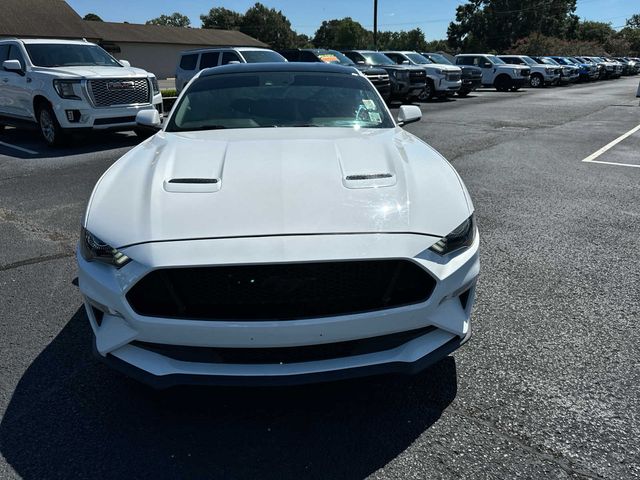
409 114
12 66
487 65
149 119
405 62
124 63
360 62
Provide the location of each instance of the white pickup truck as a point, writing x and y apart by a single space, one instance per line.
442 79
541 74
495 72
64 86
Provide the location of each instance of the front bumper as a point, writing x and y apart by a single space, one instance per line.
447 86
87 117
470 83
119 332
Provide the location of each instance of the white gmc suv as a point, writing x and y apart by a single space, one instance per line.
66 86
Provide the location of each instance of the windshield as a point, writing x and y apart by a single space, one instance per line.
561 61
341 58
437 58
495 60
376 58
279 99
418 59
69 55
529 60
549 61
262 56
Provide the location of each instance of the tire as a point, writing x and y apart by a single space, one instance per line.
428 92
536 80
50 129
514 88
463 93
503 83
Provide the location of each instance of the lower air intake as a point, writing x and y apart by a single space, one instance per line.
280 291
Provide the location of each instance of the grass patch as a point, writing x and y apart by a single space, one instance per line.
170 92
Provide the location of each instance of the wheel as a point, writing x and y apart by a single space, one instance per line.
536 80
50 129
463 93
503 83
427 93
514 88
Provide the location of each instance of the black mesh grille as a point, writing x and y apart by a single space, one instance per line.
280 291
417 76
119 91
284 355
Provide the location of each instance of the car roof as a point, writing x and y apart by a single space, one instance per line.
28 41
278 67
218 49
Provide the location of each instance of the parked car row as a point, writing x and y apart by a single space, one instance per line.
64 86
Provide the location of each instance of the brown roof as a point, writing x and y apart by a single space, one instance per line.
135 33
56 19
42 18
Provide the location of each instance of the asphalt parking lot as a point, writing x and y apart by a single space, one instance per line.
549 386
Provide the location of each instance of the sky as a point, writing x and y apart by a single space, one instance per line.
432 16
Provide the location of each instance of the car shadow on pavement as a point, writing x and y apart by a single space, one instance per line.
28 144
71 417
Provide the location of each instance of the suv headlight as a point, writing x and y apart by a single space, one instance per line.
154 85
65 88
548 69
460 237
94 249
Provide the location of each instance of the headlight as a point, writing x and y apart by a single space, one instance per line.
154 85
461 237
94 249
438 71
549 70
65 88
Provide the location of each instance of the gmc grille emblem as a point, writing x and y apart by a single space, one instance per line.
121 85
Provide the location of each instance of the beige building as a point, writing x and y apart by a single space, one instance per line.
152 47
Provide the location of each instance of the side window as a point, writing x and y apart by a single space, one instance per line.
306 56
482 61
395 57
15 54
356 57
209 59
229 57
188 62
4 53
466 61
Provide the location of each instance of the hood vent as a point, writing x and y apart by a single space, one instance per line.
373 176
193 180
192 185
370 180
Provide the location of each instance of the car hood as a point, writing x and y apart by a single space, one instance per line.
94 71
276 181
444 67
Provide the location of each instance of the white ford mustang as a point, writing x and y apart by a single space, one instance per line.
281 228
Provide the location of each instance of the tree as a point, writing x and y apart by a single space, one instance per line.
221 18
634 21
269 26
498 24
92 17
342 34
409 40
598 32
176 19
303 41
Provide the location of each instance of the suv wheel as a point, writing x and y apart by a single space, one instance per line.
536 80
427 93
49 127
463 93
503 83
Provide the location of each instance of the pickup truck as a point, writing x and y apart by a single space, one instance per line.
568 73
65 86
471 76
442 79
496 72
541 74
407 82
586 71
377 76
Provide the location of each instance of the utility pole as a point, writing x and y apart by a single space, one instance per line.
375 24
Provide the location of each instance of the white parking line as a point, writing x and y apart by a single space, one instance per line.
25 150
592 158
